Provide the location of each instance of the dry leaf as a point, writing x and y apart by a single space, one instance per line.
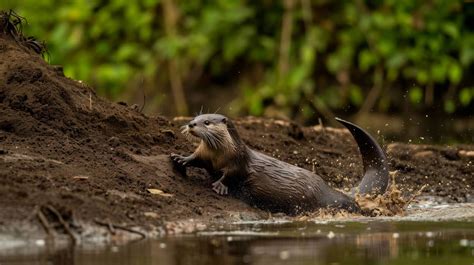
80 177
159 192
151 214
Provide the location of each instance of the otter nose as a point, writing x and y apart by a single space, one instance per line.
191 124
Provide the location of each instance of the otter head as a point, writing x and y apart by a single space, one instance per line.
214 130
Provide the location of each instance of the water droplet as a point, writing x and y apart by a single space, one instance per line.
331 234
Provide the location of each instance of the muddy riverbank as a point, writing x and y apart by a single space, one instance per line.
71 161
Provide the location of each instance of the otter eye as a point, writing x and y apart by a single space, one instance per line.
207 122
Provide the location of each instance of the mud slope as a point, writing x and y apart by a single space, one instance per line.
62 146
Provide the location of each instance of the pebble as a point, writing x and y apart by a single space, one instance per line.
284 255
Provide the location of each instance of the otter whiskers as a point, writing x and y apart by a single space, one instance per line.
219 135
187 134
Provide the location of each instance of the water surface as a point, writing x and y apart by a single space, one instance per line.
373 242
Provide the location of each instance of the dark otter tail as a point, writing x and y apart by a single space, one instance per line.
376 176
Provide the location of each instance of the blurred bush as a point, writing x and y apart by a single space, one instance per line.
293 57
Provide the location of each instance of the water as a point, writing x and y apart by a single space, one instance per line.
373 242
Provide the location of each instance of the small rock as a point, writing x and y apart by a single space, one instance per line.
58 69
284 255
169 133
135 107
114 141
295 131
40 242
198 210
451 154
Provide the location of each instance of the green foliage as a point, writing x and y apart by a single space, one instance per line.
388 44
466 96
338 50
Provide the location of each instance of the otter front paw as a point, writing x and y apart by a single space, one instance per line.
220 188
179 159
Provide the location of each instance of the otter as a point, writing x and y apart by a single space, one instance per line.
269 183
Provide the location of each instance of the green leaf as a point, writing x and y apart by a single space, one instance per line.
396 61
451 29
449 106
307 54
297 76
385 46
466 95
422 76
415 94
334 63
455 73
355 95
127 51
467 51
439 71
367 59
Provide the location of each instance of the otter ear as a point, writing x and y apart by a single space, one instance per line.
224 120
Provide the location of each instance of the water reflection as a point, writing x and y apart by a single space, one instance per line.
372 243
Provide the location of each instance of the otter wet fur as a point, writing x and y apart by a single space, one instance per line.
269 183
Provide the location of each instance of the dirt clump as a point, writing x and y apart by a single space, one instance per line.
64 148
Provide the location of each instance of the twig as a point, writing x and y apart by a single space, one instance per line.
108 224
144 95
321 108
111 228
64 224
416 194
121 227
323 130
74 222
328 151
90 101
44 221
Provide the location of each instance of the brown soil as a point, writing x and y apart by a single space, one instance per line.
62 146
